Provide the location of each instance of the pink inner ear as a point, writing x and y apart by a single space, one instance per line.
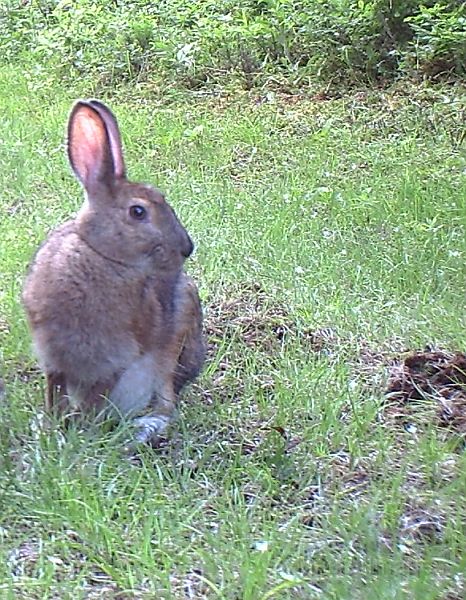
88 145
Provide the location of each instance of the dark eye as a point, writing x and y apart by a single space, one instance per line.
137 212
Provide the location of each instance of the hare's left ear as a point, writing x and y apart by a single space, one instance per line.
114 137
94 146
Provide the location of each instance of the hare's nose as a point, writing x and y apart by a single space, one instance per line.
188 247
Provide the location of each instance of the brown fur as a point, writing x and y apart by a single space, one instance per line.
107 294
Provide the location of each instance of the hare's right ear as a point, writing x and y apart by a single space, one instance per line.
94 147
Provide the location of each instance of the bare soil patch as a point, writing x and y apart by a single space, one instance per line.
436 376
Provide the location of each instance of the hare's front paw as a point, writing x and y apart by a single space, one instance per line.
149 428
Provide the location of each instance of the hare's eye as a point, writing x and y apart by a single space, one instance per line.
137 212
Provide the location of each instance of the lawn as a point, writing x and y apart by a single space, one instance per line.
331 243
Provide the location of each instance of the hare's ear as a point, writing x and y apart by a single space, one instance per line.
114 137
91 147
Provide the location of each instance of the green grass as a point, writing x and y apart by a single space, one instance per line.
285 476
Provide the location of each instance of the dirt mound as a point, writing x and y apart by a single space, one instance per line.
433 375
250 315
246 330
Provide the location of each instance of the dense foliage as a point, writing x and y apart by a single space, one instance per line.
275 42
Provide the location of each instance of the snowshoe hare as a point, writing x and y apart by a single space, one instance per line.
116 322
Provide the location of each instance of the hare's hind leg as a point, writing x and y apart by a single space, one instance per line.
56 399
192 354
190 361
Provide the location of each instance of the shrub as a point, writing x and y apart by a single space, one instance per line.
278 42
439 40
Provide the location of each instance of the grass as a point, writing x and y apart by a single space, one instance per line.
331 237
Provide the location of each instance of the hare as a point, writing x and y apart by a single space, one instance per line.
116 322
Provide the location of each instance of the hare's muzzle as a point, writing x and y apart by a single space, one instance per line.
188 247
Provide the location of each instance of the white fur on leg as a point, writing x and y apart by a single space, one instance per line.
149 427
136 386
